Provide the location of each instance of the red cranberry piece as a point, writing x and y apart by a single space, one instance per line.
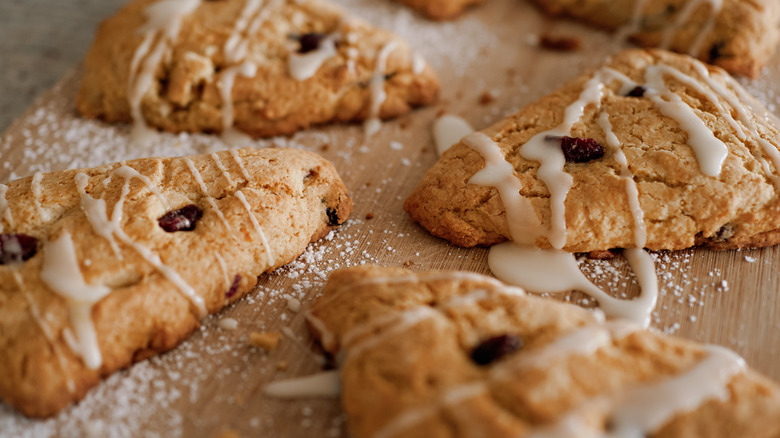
333 217
493 349
183 219
310 41
581 150
638 91
233 287
16 248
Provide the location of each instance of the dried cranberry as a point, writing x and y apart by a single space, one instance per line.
310 41
183 219
495 348
16 248
233 287
638 91
581 150
333 216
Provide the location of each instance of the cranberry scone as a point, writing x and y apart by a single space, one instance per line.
654 150
738 35
256 67
106 266
459 354
441 9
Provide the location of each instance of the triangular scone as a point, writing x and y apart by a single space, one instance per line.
441 9
689 158
263 67
737 35
106 238
459 354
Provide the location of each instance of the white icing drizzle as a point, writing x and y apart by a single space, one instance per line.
418 64
236 49
196 174
5 211
240 163
377 89
554 271
223 268
632 192
163 22
258 229
684 16
524 225
448 130
302 66
60 271
37 192
128 173
635 24
404 321
227 78
325 384
710 151
46 329
236 44
95 211
411 418
222 168
642 410
733 98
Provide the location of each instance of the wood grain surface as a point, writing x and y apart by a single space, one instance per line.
488 67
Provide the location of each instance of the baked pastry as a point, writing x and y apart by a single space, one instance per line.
738 35
106 266
459 354
654 150
260 67
441 9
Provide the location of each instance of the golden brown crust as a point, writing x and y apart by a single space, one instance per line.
682 206
441 9
295 196
367 315
744 34
185 95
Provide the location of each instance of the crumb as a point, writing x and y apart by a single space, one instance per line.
441 112
486 98
239 399
368 184
282 365
408 263
325 147
560 43
424 150
369 216
228 324
265 340
404 123
293 305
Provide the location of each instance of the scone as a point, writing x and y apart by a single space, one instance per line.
106 266
259 67
441 9
738 35
654 150
442 354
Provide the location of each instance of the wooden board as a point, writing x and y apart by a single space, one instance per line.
213 382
